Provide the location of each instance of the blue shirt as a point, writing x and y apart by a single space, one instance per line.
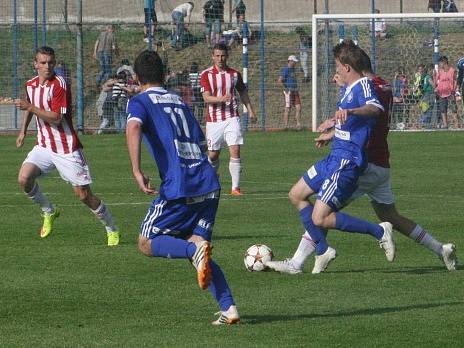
146 4
288 78
351 137
176 142
460 68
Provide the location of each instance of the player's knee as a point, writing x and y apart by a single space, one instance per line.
319 220
295 197
84 196
23 180
144 246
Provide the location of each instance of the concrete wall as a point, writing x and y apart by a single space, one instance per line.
275 10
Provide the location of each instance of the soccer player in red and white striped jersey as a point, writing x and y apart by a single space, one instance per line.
218 86
58 146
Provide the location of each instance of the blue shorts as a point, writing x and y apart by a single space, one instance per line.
182 217
334 179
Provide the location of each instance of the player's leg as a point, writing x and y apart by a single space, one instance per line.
38 162
287 108
388 212
233 138
100 210
334 193
214 139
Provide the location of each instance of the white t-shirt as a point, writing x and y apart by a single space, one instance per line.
186 9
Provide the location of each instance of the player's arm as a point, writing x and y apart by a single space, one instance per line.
134 139
27 116
48 116
208 98
324 138
95 48
245 98
367 110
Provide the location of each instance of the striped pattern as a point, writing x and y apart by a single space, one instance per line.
149 220
332 187
220 83
53 96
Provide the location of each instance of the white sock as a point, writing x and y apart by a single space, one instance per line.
305 249
104 215
38 197
235 168
422 237
214 164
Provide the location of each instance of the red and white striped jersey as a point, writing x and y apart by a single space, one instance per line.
220 83
54 96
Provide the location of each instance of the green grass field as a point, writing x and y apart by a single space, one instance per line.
70 290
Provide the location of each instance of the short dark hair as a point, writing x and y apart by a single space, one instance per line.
443 59
45 50
347 52
366 62
221 47
149 67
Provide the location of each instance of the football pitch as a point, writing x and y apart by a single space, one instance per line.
71 290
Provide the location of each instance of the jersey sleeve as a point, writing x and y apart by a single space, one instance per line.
59 102
367 95
136 111
204 83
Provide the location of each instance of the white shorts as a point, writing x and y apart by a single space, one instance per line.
227 131
375 182
72 167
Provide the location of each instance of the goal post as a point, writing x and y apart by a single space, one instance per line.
411 39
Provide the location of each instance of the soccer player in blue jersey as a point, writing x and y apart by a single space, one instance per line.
333 179
180 220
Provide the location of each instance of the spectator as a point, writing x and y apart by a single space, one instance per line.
445 87
428 96
239 8
127 68
150 20
218 19
380 27
104 48
449 6
434 5
62 70
460 78
235 35
180 20
304 47
292 97
208 18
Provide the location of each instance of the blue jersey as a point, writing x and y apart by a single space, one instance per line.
460 68
176 142
351 137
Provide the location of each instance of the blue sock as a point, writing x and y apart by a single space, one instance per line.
219 287
317 234
172 248
348 223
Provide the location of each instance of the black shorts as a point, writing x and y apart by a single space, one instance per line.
147 15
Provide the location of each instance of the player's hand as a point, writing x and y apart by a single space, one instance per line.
144 184
341 116
20 140
226 98
327 124
323 139
22 104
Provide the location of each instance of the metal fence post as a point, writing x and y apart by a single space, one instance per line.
373 48
79 69
36 24
15 59
245 33
262 95
44 22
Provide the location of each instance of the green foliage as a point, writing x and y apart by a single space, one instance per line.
72 290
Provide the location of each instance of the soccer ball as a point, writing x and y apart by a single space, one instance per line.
256 257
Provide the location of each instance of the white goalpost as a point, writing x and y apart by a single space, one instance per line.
410 39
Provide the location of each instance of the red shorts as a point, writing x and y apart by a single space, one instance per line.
292 98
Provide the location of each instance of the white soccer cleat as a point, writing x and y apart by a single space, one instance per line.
322 261
200 261
387 243
448 256
284 266
229 317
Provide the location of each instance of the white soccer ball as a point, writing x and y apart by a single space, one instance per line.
256 257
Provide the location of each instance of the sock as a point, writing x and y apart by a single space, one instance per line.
422 237
38 197
219 288
214 164
104 215
235 168
172 248
348 223
305 249
317 234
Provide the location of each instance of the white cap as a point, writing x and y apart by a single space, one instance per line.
292 58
